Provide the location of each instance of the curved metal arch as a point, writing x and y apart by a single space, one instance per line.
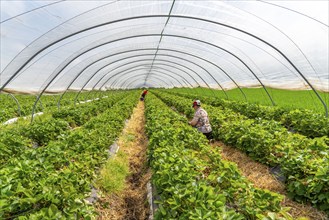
104 75
244 95
230 62
166 61
156 52
124 73
184 17
161 64
178 36
135 81
229 52
115 82
156 84
297 12
49 45
17 103
177 68
273 47
63 45
167 55
282 32
143 74
127 86
143 36
154 49
34 9
178 51
198 57
58 104
174 57
40 102
150 80
183 79
133 77
148 87
171 62
161 68
157 79
157 64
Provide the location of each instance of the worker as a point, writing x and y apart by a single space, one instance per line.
201 120
143 95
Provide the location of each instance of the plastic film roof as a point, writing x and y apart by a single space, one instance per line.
54 46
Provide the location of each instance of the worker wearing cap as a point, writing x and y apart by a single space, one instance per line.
201 120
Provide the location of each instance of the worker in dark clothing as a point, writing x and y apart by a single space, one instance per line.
143 95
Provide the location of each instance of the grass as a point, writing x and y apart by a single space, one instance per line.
128 202
302 99
113 173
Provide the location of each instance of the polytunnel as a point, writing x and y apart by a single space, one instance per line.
164 109
54 46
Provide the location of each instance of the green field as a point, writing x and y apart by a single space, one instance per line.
305 99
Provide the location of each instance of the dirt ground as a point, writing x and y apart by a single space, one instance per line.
261 177
131 204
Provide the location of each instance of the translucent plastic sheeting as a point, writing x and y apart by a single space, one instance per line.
54 46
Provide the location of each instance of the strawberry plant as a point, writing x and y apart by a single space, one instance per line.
53 181
306 122
43 130
192 180
270 143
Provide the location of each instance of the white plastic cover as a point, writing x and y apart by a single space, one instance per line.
53 46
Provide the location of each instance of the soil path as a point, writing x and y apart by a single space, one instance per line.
131 204
261 177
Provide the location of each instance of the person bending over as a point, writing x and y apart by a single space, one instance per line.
201 120
143 95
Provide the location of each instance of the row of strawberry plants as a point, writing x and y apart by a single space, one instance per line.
22 136
47 103
52 182
303 121
80 114
303 161
16 138
9 108
192 180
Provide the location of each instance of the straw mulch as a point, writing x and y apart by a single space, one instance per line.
131 203
261 177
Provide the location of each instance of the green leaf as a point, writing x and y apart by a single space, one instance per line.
52 210
3 202
162 210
